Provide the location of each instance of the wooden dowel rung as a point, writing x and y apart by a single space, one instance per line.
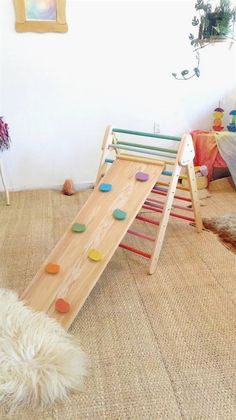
160 188
179 197
178 187
151 203
144 146
179 216
156 201
141 235
134 158
161 204
167 173
141 133
137 150
135 250
148 220
170 173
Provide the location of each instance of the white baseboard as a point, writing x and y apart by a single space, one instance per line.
78 187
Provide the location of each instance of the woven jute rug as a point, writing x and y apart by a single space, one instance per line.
160 346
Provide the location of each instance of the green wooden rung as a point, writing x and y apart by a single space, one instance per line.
143 146
139 150
143 134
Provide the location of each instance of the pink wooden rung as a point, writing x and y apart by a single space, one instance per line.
135 250
146 219
179 197
141 235
180 216
160 205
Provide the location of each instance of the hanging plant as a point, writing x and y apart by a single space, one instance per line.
213 26
4 135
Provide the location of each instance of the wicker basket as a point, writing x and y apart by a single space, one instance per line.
202 181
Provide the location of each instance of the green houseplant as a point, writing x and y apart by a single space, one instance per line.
214 25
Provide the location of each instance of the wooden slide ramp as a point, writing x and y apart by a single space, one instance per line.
78 274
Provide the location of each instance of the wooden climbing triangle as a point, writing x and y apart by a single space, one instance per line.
132 177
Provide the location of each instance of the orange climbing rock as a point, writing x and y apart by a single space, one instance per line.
52 268
62 306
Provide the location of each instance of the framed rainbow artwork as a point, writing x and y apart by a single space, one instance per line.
40 16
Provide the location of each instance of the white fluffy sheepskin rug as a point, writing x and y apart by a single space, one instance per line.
40 363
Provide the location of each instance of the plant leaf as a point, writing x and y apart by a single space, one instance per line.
195 21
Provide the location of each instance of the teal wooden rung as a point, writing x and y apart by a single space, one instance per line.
109 160
143 146
135 149
143 134
167 173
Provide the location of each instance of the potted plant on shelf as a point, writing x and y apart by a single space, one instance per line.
214 25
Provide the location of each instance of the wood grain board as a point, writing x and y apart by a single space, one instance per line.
78 274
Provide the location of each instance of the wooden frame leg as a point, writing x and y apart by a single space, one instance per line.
194 195
4 182
164 219
102 165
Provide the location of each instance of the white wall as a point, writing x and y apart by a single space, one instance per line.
59 91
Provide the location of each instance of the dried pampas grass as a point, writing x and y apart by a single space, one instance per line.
40 363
